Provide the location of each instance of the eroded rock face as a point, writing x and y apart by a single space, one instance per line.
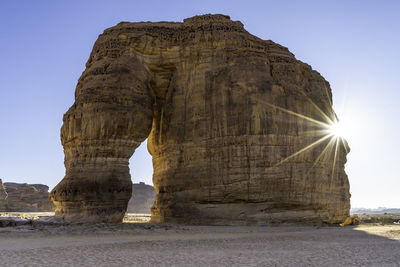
3 197
218 106
143 196
27 197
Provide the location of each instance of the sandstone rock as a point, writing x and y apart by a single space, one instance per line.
351 220
143 196
218 106
28 197
3 197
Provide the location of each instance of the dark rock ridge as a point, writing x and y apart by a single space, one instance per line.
25 197
218 106
143 196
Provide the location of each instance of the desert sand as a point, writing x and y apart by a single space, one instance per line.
147 244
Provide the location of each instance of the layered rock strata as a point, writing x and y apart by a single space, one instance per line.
236 127
143 196
3 197
26 197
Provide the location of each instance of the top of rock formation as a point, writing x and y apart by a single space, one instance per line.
214 18
192 22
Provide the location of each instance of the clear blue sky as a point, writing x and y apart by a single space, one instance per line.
354 44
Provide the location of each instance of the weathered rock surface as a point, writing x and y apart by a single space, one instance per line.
218 106
143 196
3 197
27 197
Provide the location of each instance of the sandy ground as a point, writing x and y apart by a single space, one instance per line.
145 244
129 217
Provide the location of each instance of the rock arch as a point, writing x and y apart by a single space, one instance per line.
220 108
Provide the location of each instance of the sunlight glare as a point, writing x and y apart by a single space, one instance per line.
337 129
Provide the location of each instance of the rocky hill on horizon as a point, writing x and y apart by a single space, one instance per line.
18 197
379 210
24 197
142 199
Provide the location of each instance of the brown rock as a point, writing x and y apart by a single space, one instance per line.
3 197
28 197
218 107
143 196
351 220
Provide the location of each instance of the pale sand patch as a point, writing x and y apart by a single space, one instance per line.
178 245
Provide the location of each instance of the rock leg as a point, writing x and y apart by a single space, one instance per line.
111 116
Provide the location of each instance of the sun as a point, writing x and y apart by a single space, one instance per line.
337 129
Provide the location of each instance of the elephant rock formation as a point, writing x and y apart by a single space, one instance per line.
236 126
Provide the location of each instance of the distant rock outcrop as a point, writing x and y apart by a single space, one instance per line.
3 196
380 210
143 196
26 197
